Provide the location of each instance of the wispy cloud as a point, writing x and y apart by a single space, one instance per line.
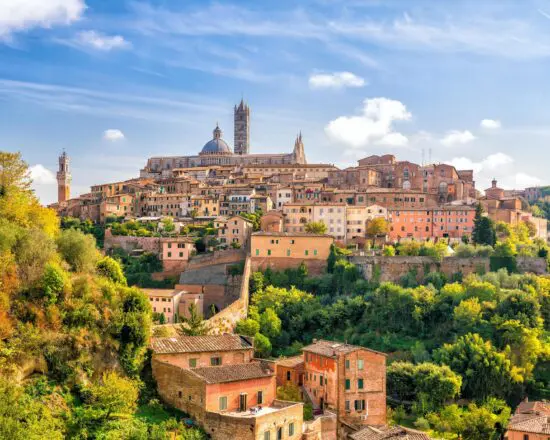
336 80
94 40
22 15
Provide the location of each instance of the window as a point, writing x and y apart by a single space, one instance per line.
193 363
257 252
260 397
169 254
360 384
288 252
359 405
347 405
360 364
223 403
179 394
348 384
321 380
290 429
525 436
215 361
347 364
269 252
288 375
267 435
181 254
306 253
315 252
279 433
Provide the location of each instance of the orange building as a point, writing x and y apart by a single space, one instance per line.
214 380
175 253
235 229
530 422
347 379
290 370
422 224
203 351
281 250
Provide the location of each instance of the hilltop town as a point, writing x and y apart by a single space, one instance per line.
288 300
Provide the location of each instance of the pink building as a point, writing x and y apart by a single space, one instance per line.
165 301
175 253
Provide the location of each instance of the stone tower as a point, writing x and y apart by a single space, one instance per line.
242 129
299 154
63 179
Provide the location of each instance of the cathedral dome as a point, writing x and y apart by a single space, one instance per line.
217 145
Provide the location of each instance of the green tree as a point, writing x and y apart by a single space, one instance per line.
389 251
78 249
484 229
54 281
485 371
270 324
25 418
247 327
316 228
114 394
168 225
110 268
467 315
289 392
194 325
377 227
262 345
506 248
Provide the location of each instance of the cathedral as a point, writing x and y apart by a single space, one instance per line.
217 151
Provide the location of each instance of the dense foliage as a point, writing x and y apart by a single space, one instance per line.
481 337
73 335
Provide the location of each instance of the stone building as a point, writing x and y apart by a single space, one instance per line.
346 379
215 380
218 152
63 179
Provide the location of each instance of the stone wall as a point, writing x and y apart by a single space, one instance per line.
322 428
315 267
393 268
129 243
219 257
226 320
537 266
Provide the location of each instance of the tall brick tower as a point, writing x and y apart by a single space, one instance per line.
242 129
63 179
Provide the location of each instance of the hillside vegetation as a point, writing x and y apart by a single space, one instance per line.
73 335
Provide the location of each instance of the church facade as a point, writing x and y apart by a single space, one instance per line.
217 151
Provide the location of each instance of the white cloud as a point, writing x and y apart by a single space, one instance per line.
490 163
22 15
374 126
523 180
491 124
113 135
40 175
336 80
97 41
456 137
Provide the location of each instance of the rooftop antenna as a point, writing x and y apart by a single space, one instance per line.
430 155
423 157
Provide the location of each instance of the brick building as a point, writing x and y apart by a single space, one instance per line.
281 250
214 380
531 421
348 380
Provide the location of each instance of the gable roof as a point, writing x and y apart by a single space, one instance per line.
536 423
527 406
334 348
233 373
389 433
291 362
198 344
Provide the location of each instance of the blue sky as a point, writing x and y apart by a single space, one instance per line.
114 82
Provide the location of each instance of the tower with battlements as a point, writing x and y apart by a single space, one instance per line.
63 179
242 129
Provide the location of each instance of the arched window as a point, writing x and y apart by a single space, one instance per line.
443 188
406 184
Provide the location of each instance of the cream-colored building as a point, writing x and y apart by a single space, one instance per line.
333 215
235 229
358 218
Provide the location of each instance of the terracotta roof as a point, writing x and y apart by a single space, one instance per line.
289 234
332 348
197 344
233 373
291 362
389 433
536 423
526 407
167 293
